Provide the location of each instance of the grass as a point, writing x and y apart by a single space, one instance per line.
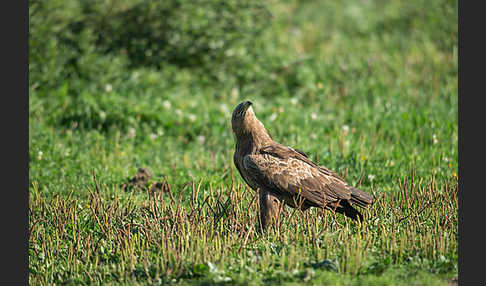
366 88
162 238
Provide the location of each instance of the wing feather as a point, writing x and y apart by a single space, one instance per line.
289 173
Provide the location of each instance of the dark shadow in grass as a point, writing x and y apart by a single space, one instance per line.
325 264
142 181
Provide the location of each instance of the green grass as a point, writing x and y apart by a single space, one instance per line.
367 88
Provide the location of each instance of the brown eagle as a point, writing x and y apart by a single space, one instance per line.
281 173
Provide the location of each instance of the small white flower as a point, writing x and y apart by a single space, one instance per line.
434 139
313 116
166 104
191 117
135 75
178 112
392 163
273 117
224 108
294 100
39 155
234 92
371 177
201 139
108 88
224 279
313 136
102 115
345 129
132 132
153 136
229 52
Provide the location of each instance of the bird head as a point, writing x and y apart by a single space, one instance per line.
242 113
241 109
246 125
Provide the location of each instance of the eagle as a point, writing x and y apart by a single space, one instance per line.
283 174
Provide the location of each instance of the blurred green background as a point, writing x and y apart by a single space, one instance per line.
365 87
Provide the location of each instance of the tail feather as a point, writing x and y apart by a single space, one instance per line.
360 198
346 209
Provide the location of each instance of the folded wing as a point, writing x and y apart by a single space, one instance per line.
288 173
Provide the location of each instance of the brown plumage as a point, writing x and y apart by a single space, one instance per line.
281 173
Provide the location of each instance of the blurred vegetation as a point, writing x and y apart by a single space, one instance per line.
175 69
77 48
366 87
86 39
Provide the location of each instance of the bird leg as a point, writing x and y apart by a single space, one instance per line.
269 209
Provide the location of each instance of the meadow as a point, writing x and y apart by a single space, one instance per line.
366 88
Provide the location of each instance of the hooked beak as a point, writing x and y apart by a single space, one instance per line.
246 105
